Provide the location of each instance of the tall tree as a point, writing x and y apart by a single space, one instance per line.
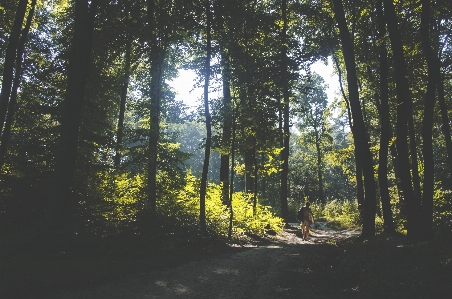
158 19
359 132
404 107
427 124
358 161
221 15
122 106
10 58
205 170
285 115
59 212
6 133
385 123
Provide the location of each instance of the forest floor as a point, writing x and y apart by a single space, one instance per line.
331 264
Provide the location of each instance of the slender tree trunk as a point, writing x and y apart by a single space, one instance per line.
403 105
358 122
220 12
10 58
154 136
444 116
231 209
413 156
227 120
249 170
256 172
358 163
385 123
427 125
6 134
286 117
59 213
319 164
122 105
205 170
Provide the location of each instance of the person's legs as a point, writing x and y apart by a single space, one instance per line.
306 228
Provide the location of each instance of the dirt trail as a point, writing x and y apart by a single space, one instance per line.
277 268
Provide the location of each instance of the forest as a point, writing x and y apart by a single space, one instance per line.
100 161
94 144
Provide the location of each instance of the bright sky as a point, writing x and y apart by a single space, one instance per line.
183 85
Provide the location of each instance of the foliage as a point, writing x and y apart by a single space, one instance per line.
339 214
178 210
442 212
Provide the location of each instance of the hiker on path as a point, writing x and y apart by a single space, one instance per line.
305 217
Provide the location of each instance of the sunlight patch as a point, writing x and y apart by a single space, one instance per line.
177 289
273 246
227 271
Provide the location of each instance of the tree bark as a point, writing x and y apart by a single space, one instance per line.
11 110
427 124
319 161
158 41
59 213
358 160
227 120
385 123
122 105
10 58
249 169
358 122
286 132
231 209
404 104
444 116
205 169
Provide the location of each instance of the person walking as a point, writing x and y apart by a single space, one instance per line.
306 217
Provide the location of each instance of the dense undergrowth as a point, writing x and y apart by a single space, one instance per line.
178 210
346 215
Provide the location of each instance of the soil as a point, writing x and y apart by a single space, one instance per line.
284 266
331 264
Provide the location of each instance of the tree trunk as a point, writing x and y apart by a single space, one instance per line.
286 118
157 55
444 116
359 132
231 209
427 124
122 106
404 104
220 12
249 170
205 169
227 119
386 128
60 208
319 164
358 163
5 135
256 172
10 58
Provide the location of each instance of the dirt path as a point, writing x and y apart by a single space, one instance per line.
279 268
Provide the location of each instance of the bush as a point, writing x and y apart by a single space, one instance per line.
343 214
178 210
217 214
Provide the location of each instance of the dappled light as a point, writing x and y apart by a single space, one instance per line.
225 149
